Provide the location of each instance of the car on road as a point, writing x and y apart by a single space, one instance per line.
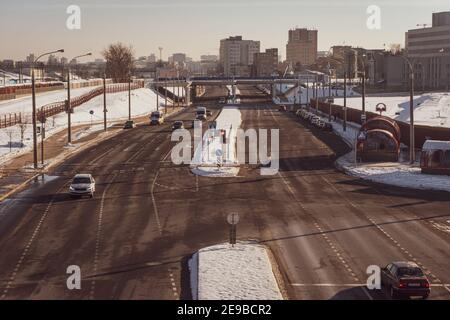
200 113
209 113
156 117
178 124
327 126
405 279
129 124
222 100
82 184
282 108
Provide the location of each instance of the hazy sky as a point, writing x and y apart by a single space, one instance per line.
196 26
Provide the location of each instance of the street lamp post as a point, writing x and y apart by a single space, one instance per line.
412 155
33 94
69 104
344 125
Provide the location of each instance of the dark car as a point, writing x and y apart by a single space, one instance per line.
129 124
405 279
177 125
282 108
209 113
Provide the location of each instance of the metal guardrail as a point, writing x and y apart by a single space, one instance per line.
51 109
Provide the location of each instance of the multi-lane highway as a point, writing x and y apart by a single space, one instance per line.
133 239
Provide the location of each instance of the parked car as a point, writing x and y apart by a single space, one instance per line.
178 124
82 184
129 124
222 100
209 113
282 108
405 279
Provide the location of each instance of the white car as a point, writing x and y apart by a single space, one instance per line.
82 184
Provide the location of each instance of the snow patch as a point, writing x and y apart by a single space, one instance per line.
242 272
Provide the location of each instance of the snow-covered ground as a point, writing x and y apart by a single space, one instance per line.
431 109
396 174
143 102
223 272
10 78
212 151
24 104
400 174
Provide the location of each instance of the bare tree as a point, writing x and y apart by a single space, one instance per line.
119 61
10 133
395 48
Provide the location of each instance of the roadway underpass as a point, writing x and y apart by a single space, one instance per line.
132 241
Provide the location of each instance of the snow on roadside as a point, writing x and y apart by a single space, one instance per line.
400 174
395 174
143 102
242 272
205 156
432 109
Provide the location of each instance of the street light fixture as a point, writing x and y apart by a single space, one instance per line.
33 95
69 104
411 111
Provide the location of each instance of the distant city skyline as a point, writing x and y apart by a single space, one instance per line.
196 27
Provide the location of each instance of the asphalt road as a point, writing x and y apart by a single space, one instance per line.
132 241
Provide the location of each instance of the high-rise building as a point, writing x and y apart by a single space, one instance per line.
266 63
302 47
428 50
236 55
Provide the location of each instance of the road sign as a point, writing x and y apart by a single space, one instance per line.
91 112
381 107
233 218
219 153
363 118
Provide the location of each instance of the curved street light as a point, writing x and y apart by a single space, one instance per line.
33 95
411 111
69 105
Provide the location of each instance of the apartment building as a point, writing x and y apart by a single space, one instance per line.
428 50
302 47
236 55
266 63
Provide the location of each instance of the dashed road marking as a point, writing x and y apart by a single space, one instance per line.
29 244
98 237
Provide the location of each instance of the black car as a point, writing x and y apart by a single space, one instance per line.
405 279
129 124
177 125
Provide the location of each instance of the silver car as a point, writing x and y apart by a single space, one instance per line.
82 184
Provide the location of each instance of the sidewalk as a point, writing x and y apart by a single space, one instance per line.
16 173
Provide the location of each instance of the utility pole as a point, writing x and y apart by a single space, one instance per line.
344 126
69 110
129 97
69 105
412 154
329 97
33 93
104 102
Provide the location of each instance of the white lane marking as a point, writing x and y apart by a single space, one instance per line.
364 289
98 237
436 285
30 243
158 222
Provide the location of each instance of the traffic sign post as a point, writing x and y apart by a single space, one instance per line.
233 219
91 113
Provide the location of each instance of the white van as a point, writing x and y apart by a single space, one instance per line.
200 113
156 117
